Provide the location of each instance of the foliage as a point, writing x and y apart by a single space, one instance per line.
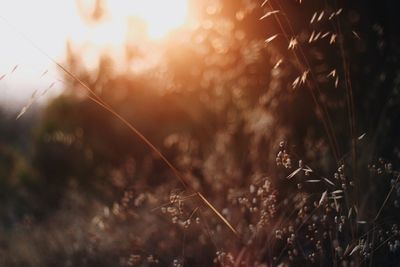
273 120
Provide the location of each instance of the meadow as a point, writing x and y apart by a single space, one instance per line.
267 134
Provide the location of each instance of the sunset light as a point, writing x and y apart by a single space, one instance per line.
159 16
50 24
196 133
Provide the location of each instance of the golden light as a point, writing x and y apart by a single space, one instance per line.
159 16
49 24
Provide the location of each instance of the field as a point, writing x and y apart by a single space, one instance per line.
201 133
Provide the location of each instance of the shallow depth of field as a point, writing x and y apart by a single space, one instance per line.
199 133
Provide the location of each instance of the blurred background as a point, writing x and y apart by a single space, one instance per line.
211 84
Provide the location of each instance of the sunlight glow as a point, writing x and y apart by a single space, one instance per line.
49 24
159 16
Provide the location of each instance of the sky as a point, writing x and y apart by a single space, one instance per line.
40 22
49 24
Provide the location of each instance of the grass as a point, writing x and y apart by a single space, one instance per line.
235 204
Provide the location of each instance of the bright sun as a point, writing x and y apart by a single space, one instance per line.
159 16
51 23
